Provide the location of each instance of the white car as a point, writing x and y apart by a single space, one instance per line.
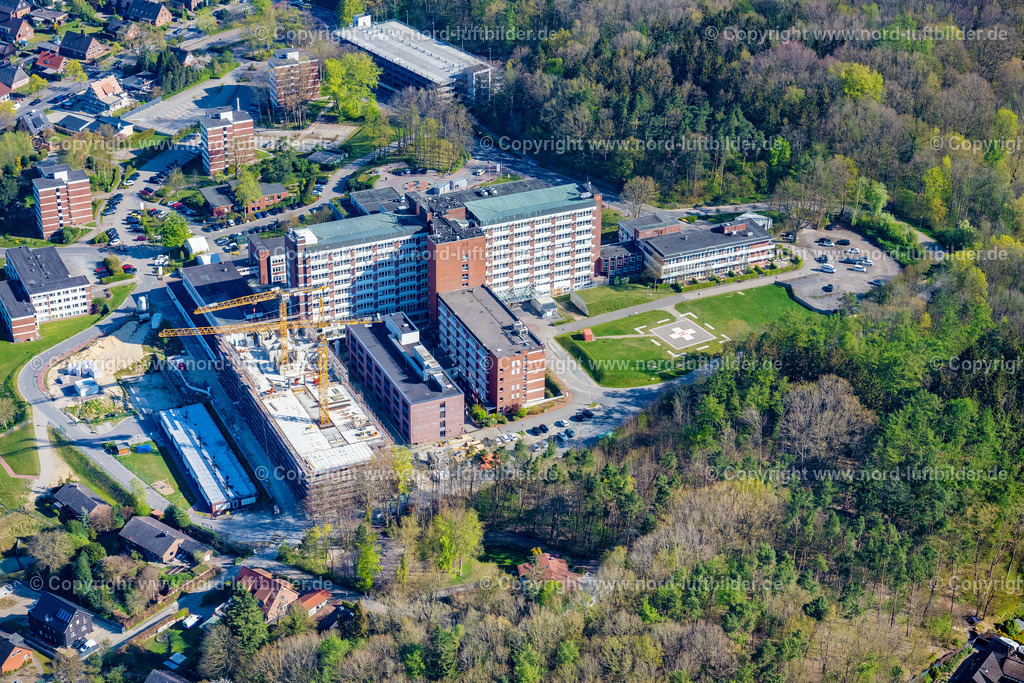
561 423
116 242
860 269
854 250
87 645
867 262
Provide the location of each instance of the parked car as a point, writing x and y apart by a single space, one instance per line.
570 433
876 282
141 238
828 268
560 423
843 243
544 428
860 269
829 287
853 250
128 268
587 412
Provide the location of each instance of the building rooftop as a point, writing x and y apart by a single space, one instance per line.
610 251
78 497
490 321
654 220
210 460
217 196
289 56
220 282
157 537
223 117
43 270
348 232
699 240
55 610
414 50
410 367
369 199
14 299
530 204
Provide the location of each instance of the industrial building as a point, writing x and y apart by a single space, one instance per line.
408 384
498 360
411 58
205 455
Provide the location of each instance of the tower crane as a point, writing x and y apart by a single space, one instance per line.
323 363
277 293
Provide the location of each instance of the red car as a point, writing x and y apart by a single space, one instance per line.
176 205
141 238
147 191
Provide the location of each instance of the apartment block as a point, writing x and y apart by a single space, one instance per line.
372 266
497 359
535 239
294 78
410 386
63 198
39 289
227 139
268 259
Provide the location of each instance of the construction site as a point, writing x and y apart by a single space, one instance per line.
284 376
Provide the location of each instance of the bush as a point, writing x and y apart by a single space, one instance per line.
101 238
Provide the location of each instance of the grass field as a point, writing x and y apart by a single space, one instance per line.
505 556
610 225
638 361
613 297
87 472
506 178
629 325
737 314
157 466
19 451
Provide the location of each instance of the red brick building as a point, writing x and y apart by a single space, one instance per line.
14 654
220 200
414 391
227 139
499 361
294 78
63 198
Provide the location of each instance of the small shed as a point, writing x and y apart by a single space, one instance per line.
87 387
588 334
544 305
123 448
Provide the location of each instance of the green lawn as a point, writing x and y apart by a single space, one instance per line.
629 325
359 143
737 314
174 640
610 226
506 178
19 451
505 556
87 472
151 467
613 297
638 361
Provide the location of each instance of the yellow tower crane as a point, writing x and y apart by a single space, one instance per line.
277 293
322 349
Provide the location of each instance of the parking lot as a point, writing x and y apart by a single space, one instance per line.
846 279
184 109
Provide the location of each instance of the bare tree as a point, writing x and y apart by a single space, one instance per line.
639 191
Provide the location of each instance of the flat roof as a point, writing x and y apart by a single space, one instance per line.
609 251
216 282
414 50
348 232
15 301
385 351
654 220
211 461
695 241
307 439
491 321
530 204
42 270
367 198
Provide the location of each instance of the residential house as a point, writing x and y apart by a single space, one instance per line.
273 595
48 19
185 57
122 31
78 501
994 659
81 47
13 76
58 621
145 12
16 30
163 676
314 601
14 9
35 123
104 97
14 654
158 542
7 51
548 568
139 83
50 63
190 5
